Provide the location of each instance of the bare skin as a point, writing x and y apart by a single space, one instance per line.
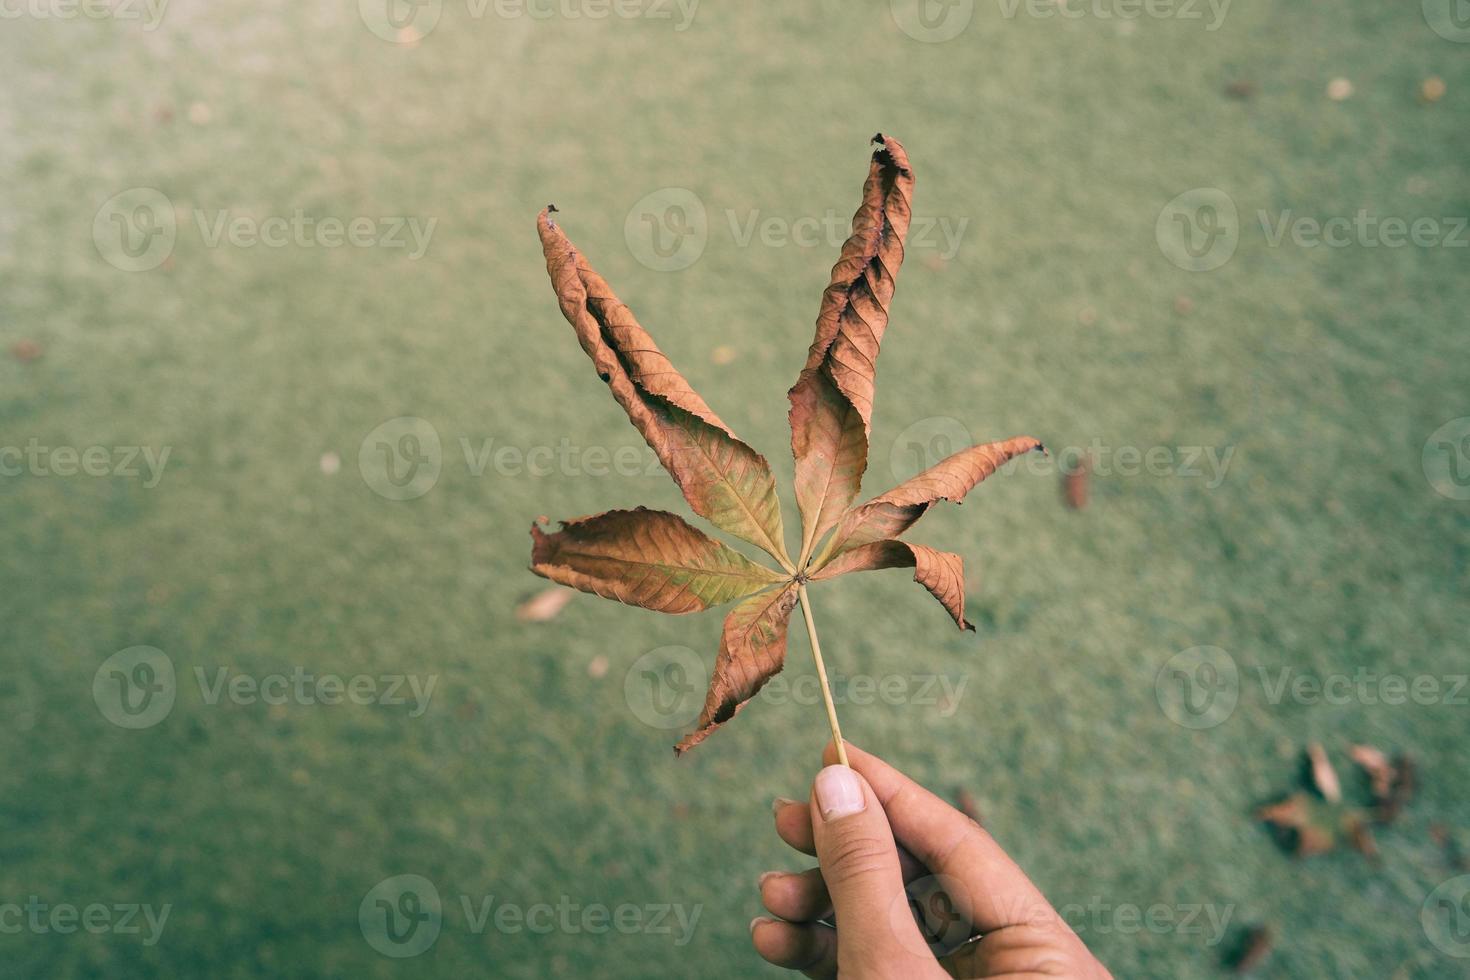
873 830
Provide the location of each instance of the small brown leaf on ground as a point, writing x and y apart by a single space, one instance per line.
544 605
1361 837
1242 89
1075 483
597 667
25 351
1252 950
1339 89
1324 777
1291 825
1432 89
1373 762
1183 305
1401 791
966 804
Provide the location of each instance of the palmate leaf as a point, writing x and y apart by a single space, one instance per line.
941 572
752 651
656 560
890 514
647 558
832 400
725 481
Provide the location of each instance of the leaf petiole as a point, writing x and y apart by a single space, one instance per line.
811 632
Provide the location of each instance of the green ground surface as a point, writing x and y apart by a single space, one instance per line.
1323 549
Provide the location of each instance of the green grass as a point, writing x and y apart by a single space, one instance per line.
528 778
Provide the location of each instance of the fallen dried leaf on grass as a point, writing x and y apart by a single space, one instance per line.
544 605
1324 777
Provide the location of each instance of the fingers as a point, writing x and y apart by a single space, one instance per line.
794 826
796 896
859 863
995 892
812 949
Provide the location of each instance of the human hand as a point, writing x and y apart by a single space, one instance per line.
874 831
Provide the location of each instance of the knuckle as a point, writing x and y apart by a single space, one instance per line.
856 857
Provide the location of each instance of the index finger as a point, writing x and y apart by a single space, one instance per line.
951 844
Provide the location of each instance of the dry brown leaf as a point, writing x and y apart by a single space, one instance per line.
891 514
1290 821
25 351
941 572
1075 484
647 558
752 651
832 400
724 480
544 605
1373 762
1400 791
656 560
1324 777
1361 837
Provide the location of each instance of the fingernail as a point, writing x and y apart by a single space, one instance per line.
839 793
758 920
779 802
765 876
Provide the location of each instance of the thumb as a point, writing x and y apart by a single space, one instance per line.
876 934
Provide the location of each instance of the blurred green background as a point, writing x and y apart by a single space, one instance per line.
1065 304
